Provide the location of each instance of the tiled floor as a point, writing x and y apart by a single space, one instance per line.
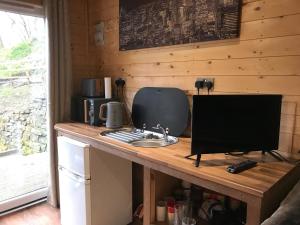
42 214
22 174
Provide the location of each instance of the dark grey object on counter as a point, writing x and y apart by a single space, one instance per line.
92 87
167 106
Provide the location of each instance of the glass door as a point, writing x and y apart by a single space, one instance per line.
23 110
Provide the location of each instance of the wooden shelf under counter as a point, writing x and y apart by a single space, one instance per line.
262 188
160 223
166 223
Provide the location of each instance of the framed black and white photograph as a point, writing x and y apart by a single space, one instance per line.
155 23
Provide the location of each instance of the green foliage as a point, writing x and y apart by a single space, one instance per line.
3 146
20 51
3 53
2 123
14 93
26 147
6 91
15 61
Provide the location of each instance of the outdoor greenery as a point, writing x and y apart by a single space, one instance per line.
26 148
3 146
20 51
10 97
22 91
13 61
6 91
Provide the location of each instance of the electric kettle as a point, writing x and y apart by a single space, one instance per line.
114 114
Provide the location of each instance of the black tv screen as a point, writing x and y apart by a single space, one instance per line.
231 123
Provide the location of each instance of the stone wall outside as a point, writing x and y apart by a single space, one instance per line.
23 128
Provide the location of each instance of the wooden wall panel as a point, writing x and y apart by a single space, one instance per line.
296 143
234 49
267 9
223 84
83 57
265 59
268 66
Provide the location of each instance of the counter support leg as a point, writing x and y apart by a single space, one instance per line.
149 197
254 212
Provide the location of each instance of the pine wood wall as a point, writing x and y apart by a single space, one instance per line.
265 59
83 52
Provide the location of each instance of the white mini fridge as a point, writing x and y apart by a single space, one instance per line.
95 187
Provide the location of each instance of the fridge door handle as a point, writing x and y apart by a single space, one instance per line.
73 176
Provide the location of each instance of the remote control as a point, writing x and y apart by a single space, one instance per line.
239 167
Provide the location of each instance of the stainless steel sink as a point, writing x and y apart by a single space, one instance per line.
140 138
154 143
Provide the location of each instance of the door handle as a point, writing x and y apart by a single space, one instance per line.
73 176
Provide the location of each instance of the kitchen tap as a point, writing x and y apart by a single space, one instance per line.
164 131
144 128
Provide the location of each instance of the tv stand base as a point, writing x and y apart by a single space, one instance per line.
198 158
197 161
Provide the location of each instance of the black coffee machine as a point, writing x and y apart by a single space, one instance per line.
85 108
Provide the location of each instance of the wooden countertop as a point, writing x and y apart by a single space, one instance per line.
257 181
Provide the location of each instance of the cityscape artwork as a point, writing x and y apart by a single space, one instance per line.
154 23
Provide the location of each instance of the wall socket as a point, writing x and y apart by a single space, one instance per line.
207 80
99 34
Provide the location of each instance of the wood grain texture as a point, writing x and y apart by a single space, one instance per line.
262 187
263 60
148 196
256 181
83 58
42 214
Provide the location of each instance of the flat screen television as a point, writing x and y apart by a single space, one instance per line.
235 123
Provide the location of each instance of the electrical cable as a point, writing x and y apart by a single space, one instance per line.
199 84
279 155
236 153
126 109
189 156
283 158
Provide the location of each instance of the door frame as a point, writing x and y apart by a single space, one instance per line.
22 200
24 7
36 9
